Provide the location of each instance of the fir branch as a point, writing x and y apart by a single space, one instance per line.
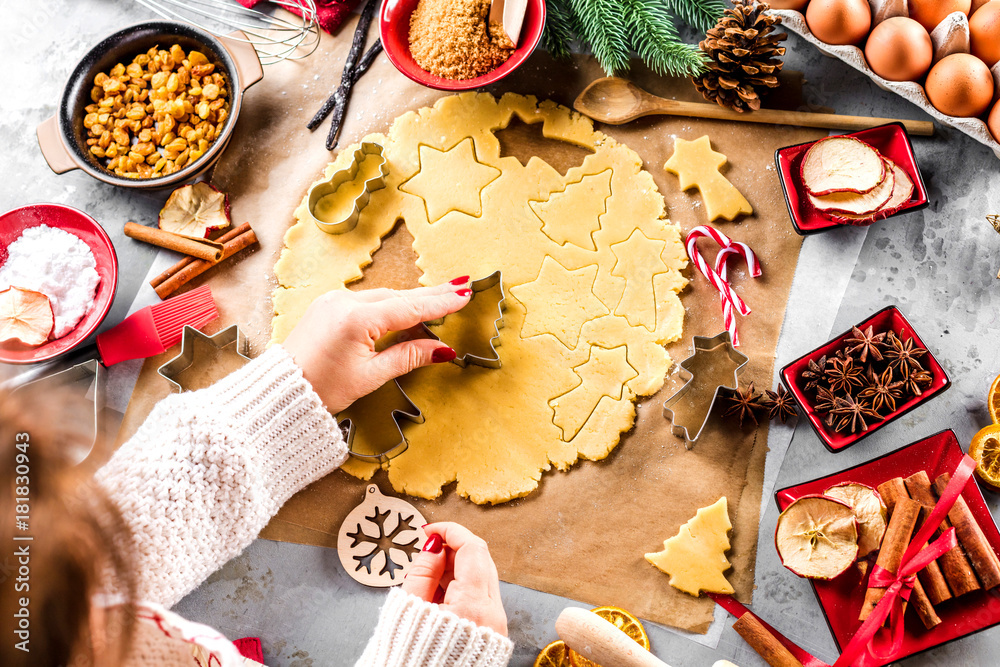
602 27
699 14
559 28
655 39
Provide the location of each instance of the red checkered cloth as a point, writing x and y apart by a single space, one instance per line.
331 13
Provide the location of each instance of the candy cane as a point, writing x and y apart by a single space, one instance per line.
718 276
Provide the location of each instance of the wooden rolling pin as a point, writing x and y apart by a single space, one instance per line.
616 101
600 641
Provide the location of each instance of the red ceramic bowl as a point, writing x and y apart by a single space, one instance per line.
890 140
394 30
885 319
841 598
75 222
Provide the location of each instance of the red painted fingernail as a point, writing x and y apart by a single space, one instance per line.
425 525
459 281
464 292
443 354
433 544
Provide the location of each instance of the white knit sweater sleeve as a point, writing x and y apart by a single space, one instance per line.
208 469
414 633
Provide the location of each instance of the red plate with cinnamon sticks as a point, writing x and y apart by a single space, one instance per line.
889 318
841 598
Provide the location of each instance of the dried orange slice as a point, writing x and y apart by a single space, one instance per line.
553 655
25 317
993 401
985 448
622 620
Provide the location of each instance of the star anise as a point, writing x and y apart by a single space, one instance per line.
825 400
815 373
744 404
882 392
779 404
854 414
843 375
902 356
917 381
865 343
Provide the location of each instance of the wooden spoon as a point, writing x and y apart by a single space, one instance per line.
510 14
616 101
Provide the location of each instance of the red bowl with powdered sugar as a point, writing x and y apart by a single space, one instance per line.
81 225
394 30
841 598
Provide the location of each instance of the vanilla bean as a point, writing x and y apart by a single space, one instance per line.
363 66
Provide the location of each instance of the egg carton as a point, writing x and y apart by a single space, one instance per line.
914 92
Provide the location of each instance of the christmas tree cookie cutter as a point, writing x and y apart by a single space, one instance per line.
374 557
405 410
347 175
703 345
188 357
479 286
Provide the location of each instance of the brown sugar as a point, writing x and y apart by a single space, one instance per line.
455 40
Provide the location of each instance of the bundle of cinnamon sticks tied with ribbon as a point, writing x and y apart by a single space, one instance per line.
202 253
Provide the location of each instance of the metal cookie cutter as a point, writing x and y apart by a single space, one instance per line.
89 377
477 287
342 176
232 336
391 398
702 345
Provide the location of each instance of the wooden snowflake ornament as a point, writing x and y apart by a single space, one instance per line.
379 538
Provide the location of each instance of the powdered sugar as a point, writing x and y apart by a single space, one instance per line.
57 264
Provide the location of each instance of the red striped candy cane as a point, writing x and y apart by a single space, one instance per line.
718 276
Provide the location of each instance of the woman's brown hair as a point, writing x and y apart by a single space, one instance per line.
62 542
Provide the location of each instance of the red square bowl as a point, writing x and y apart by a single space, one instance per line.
890 140
841 598
885 319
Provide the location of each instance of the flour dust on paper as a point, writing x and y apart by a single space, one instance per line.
591 269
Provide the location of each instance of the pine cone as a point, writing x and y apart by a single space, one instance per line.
744 56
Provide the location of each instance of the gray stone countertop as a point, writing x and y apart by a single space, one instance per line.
938 265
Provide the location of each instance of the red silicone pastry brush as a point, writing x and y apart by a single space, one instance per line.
154 329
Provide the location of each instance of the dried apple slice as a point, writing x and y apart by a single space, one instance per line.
869 510
195 210
817 537
902 190
853 203
841 164
25 317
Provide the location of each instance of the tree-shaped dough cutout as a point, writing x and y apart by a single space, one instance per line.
695 557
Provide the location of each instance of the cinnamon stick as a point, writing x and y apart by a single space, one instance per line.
919 487
173 280
891 491
767 645
971 536
894 544
922 605
171 241
224 239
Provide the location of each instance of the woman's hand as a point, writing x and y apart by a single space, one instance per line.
455 570
334 342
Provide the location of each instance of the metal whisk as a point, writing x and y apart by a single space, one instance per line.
275 38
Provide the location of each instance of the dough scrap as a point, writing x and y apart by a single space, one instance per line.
695 557
494 431
697 166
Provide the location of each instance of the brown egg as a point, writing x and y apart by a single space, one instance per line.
839 21
797 5
899 49
976 4
993 121
960 85
984 27
931 12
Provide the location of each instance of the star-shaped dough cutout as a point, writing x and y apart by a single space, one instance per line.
451 180
559 302
638 260
697 166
